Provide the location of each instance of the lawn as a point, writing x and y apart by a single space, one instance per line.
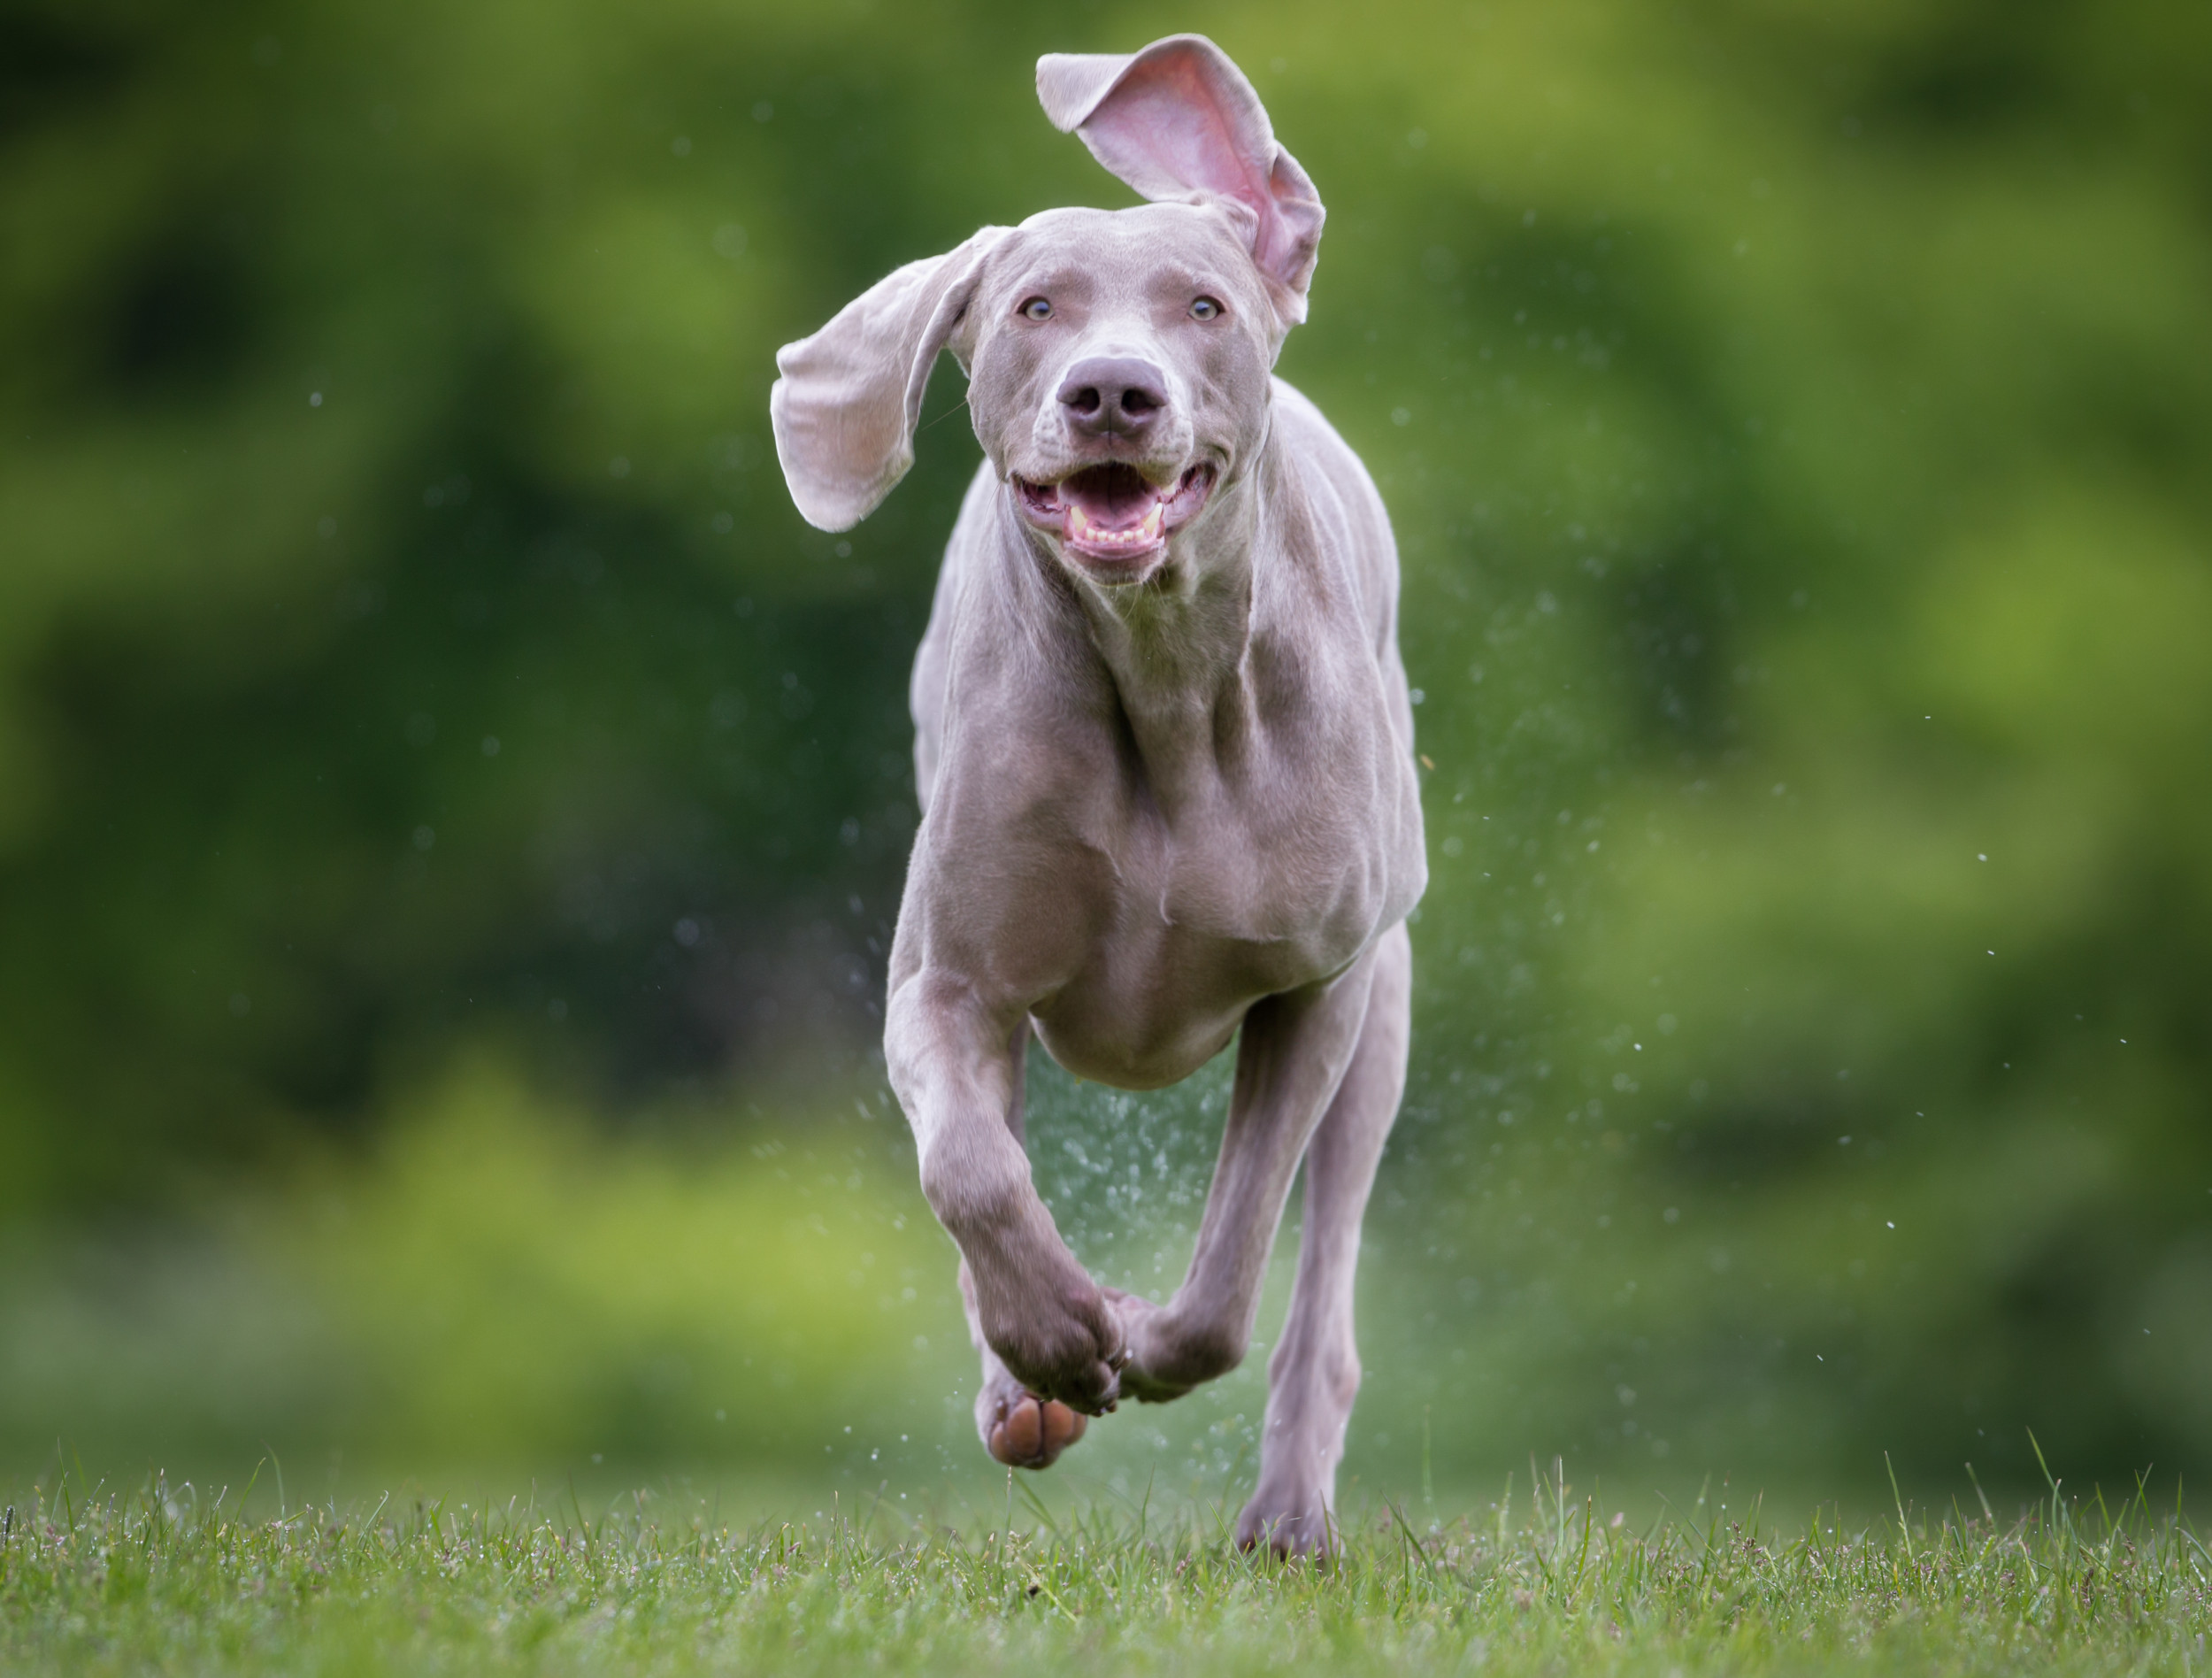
165 1580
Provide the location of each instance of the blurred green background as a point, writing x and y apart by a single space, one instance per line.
452 811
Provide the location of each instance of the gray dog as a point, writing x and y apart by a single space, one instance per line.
1164 747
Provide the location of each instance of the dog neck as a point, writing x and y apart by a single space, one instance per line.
1170 655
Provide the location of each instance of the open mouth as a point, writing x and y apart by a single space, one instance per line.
1110 512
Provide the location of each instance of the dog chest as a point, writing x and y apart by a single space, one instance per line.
1138 941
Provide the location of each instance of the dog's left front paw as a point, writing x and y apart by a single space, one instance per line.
1141 1379
1168 1353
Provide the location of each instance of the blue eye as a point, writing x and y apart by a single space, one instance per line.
1204 309
1037 309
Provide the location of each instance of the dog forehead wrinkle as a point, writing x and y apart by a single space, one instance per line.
1053 270
1149 230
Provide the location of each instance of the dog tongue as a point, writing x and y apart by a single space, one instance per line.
1110 497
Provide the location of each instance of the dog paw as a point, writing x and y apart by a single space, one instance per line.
1019 1428
1058 1343
1168 1354
1141 1376
1293 1526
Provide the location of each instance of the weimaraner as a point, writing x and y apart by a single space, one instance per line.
1164 747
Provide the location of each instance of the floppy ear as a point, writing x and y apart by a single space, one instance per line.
845 409
1179 121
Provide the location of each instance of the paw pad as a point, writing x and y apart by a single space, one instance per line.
1034 1431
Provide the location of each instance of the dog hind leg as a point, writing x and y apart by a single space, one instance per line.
1314 1373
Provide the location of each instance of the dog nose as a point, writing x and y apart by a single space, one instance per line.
1113 396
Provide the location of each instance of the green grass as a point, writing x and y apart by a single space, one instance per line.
163 1581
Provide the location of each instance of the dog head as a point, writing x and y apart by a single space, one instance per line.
1118 361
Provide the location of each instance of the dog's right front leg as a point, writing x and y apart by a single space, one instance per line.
1035 1307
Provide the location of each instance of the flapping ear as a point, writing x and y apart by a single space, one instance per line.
845 409
1179 121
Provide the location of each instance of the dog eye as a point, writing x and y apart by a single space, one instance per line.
1037 309
1204 309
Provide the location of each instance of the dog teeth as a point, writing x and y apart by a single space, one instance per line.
1082 527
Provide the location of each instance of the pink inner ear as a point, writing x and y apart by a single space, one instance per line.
1178 121
1168 129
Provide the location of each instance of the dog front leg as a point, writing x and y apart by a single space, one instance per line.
1291 1054
1031 1306
1019 1428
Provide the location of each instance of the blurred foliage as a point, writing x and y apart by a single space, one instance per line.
497 1294
1793 415
496 1288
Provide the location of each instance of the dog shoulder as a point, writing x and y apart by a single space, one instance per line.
1329 470
1318 447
